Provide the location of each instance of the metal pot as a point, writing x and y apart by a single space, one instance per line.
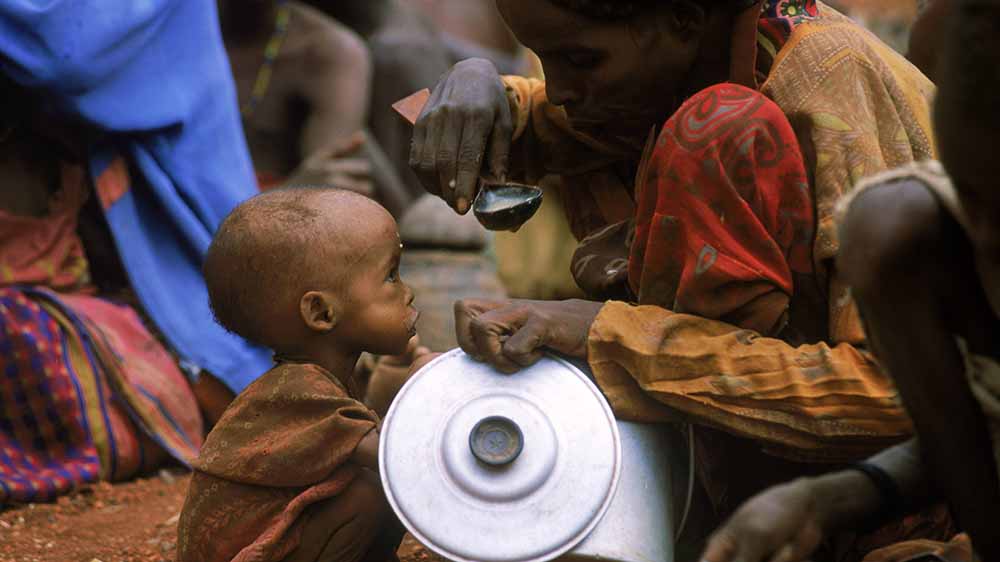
483 466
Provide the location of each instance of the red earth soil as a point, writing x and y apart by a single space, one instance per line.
127 522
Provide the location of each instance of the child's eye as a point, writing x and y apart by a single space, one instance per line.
393 275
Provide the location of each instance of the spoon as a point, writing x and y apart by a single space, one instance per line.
506 205
499 205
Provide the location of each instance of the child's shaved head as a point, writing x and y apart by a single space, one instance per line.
268 252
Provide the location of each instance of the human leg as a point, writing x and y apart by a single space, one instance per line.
357 525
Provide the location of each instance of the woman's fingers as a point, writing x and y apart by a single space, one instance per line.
494 329
490 336
466 311
500 139
512 335
470 158
485 329
524 347
467 111
419 140
446 153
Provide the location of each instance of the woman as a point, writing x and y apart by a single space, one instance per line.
721 305
88 390
121 124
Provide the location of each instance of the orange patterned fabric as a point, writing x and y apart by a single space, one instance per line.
281 447
89 392
860 109
46 250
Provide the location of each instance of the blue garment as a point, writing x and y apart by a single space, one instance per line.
154 75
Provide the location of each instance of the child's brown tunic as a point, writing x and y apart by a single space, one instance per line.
281 447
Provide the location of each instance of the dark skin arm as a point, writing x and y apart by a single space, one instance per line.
513 334
336 90
366 454
335 78
389 376
912 272
787 523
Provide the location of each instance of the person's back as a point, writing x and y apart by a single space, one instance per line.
290 470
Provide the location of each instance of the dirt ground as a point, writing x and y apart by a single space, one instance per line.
128 522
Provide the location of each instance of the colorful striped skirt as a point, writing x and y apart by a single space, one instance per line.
86 393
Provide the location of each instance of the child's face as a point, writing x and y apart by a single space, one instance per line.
379 316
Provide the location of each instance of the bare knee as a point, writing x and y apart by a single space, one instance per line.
891 236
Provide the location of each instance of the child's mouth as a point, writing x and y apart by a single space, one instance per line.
411 324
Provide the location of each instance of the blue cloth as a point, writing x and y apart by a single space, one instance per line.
153 74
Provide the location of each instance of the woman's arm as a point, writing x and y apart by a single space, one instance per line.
830 403
477 123
827 401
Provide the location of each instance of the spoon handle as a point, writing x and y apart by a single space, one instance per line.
409 108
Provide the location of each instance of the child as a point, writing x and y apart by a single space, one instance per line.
290 471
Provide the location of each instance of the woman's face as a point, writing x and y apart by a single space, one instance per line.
615 78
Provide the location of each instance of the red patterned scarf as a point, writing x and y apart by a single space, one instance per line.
724 212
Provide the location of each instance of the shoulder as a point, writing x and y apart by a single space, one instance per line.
319 41
286 381
724 114
728 102
832 49
890 222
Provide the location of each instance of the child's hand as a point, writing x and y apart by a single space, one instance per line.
391 373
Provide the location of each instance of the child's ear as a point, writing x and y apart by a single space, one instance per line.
320 311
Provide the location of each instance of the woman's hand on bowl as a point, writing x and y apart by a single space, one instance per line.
513 334
466 119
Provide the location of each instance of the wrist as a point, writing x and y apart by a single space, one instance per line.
843 499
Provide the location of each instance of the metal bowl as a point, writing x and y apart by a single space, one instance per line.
484 466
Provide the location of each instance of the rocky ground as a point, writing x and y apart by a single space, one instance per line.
128 522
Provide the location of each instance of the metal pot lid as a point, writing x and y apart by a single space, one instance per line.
483 466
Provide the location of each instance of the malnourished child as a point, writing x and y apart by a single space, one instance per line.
290 470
